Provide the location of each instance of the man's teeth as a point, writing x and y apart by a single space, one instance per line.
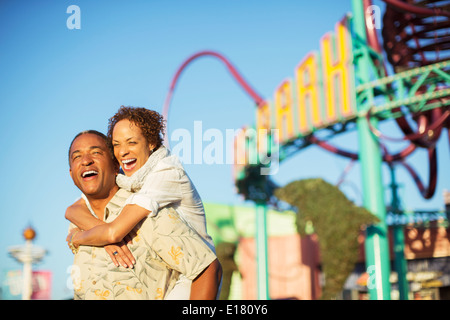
89 173
127 161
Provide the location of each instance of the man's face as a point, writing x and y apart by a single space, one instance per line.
91 167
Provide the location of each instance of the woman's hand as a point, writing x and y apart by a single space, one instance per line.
120 254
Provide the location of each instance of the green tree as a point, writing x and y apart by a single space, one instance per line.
337 222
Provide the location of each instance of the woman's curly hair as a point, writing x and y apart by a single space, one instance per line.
150 122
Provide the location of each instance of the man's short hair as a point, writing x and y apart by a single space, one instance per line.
101 135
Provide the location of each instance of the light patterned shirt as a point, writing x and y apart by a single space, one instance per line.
163 246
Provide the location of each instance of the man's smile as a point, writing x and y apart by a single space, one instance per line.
89 175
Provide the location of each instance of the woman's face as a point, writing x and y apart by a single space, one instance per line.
130 146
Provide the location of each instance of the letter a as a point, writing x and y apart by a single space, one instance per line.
373 17
74 21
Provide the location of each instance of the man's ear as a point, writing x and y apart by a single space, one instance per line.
70 172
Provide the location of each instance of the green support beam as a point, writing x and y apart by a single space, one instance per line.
376 244
261 252
398 230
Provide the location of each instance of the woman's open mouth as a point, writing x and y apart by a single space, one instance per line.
129 164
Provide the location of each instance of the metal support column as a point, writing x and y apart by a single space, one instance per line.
376 244
399 241
261 251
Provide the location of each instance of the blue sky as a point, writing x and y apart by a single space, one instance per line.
56 82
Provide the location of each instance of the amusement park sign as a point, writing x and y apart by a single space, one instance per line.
322 94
